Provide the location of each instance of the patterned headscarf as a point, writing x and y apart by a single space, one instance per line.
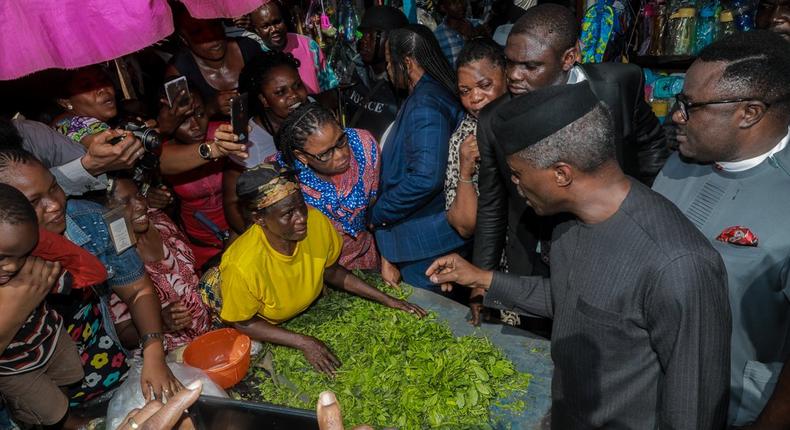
265 185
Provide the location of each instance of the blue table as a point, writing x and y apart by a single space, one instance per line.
528 352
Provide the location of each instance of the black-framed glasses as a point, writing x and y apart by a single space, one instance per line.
684 105
329 153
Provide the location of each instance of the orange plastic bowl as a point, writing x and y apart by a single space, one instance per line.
223 354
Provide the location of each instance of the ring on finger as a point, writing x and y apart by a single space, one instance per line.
133 424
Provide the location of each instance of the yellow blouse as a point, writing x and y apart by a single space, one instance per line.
256 279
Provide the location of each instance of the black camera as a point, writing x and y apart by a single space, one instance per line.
149 137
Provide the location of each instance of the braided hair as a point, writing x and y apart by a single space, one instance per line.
256 72
418 42
299 126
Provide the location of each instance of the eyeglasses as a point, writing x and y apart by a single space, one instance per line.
329 153
685 105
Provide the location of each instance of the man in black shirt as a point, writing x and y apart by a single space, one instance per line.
371 104
637 294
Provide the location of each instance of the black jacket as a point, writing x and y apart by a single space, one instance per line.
641 150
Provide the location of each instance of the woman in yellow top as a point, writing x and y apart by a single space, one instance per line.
278 267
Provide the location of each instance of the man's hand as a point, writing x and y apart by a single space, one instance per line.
25 291
170 117
390 274
225 143
454 269
329 415
405 306
318 355
159 198
103 156
157 416
476 305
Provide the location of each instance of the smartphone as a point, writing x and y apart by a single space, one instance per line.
239 117
214 413
173 87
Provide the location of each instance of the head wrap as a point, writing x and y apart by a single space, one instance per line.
528 119
265 185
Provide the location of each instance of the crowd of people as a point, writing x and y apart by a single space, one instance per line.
660 259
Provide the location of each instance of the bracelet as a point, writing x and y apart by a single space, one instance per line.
465 181
146 337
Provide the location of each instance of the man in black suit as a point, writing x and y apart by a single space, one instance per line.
541 51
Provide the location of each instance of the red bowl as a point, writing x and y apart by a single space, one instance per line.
223 354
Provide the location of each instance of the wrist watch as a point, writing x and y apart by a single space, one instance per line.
204 150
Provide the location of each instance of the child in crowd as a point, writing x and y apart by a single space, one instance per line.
37 357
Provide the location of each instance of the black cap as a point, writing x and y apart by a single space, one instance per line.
528 119
384 18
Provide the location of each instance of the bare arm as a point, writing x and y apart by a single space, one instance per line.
339 277
230 200
322 359
145 308
177 158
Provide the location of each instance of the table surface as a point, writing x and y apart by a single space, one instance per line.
529 353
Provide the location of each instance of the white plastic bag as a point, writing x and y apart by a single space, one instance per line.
130 396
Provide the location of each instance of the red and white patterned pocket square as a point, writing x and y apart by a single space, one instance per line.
738 235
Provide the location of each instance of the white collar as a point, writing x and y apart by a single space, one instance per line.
740 166
576 75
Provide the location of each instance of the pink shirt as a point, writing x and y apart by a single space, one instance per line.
299 46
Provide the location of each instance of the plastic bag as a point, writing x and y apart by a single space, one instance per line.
130 396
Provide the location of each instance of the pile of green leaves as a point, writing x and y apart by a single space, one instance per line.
397 370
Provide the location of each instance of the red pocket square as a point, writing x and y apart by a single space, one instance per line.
738 235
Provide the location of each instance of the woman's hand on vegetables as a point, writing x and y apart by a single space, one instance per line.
225 143
170 117
159 197
329 415
452 268
470 155
156 379
407 307
390 274
176 317
319 355
155 415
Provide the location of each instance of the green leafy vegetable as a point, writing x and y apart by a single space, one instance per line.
397 370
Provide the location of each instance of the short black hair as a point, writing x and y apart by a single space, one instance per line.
300 125
256 72
15 209
481 48
757 64
9 157
557 23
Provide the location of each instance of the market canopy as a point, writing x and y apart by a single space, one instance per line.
66 34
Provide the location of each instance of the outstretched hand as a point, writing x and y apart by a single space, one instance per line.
157 416
453 269
329 414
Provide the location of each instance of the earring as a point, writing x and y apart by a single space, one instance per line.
69 106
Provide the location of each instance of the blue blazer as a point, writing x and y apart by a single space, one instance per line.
409 216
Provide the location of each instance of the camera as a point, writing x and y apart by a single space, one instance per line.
148 165
149 137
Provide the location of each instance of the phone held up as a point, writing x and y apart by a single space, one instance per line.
239 118
173 87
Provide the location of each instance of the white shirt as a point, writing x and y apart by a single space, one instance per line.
740 166
576 75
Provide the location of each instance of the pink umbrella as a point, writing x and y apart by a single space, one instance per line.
42 34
